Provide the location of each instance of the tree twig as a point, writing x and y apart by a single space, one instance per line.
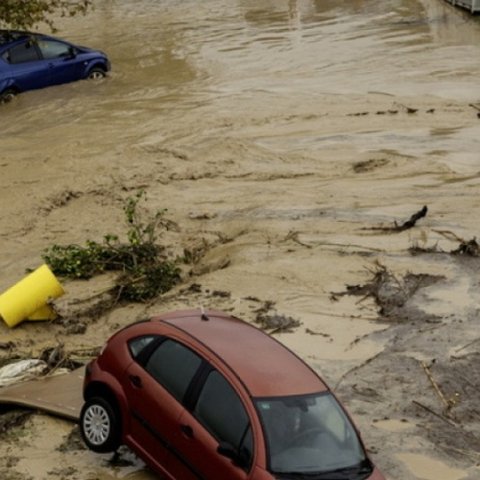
467 345
413 219
449 235
404 226
433 412
436 387
357 367
293 235
473 455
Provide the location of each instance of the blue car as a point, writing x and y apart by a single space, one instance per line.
30 60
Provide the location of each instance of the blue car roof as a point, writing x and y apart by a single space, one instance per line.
8 36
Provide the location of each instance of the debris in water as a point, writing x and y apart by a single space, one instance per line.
21 370
469 247
277 323
391 293
476 107
14 418
410 223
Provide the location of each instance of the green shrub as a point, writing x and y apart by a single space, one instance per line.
145 269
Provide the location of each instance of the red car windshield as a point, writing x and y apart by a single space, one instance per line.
309 436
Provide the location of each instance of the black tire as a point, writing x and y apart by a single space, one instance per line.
100 425
7 95
96 73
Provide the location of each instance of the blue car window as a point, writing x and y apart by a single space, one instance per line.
25 52
52 49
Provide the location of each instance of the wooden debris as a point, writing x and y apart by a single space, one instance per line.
466 247
468 345
449 235
410 223
356 368
433 412
413 219
440 394
469 247
311 332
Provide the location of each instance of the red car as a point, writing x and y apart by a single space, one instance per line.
207 396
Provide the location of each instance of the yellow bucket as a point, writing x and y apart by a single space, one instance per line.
29 297
46 312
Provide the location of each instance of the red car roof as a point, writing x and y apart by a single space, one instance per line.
265 366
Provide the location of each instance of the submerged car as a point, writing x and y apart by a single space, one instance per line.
30 61
204 395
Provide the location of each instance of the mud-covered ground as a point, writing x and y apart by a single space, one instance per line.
383 326
289 169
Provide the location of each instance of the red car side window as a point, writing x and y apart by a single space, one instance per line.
137 345
173 366
220 410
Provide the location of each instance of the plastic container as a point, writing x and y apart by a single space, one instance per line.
29 297
43 313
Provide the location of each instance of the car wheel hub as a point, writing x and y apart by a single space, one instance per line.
96 75
7 98
96 424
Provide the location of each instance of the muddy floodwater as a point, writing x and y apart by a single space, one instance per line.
289 142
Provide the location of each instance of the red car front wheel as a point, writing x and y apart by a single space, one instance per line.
100 426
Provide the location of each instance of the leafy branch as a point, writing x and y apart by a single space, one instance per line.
23 14
144 266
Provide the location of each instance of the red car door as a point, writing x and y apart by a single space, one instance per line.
155 386
148 402
218 418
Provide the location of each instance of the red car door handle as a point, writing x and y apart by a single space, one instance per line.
135 380
187 430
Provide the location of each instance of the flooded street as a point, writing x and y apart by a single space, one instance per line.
280 135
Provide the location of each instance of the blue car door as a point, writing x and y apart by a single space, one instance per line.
63 60
26 68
